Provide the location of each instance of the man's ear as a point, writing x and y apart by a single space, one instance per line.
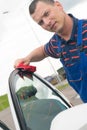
57 3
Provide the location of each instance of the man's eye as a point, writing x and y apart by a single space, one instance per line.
41 22
46 14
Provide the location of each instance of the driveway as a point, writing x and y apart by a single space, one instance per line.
6 117
72 96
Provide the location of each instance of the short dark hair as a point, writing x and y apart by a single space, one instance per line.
33 4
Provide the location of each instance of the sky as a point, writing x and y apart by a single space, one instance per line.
19 35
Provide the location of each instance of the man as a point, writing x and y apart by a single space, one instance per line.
69 43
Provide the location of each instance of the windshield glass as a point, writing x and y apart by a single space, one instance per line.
38 102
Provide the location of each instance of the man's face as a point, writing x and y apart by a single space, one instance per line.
50 17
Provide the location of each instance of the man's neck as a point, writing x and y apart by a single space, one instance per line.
66 33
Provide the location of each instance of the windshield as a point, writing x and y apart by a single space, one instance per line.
38 103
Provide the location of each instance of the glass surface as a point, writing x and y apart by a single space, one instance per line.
38 102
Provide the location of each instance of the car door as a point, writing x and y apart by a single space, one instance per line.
36 102
3 126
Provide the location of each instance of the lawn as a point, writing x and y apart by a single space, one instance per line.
4 102
61 87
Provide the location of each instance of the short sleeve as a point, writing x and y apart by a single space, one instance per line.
51 48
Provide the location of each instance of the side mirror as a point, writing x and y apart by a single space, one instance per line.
3 126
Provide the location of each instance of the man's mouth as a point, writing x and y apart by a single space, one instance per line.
53 26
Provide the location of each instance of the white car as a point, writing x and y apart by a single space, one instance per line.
74 118
37 105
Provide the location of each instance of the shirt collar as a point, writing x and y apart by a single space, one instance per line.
75 24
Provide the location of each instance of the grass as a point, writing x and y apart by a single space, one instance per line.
61 87
4 102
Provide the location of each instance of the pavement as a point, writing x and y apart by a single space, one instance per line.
73 97
6 115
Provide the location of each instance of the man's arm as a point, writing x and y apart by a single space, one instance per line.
37 54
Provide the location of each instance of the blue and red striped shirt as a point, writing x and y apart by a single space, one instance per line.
69 52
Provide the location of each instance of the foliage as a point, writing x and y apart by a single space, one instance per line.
4 102
61 87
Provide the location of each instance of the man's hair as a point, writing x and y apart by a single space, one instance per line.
33 4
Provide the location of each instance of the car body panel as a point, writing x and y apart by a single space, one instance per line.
3 126
74 118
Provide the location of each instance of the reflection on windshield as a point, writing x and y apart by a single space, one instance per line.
38 103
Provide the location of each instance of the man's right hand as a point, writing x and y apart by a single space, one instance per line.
21 61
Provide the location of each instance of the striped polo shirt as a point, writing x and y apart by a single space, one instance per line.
67 50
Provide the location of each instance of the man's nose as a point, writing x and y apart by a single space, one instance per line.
47 22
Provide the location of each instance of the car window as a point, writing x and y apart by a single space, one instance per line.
39 104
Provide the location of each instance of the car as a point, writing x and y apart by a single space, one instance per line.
74 118
36 104
3 126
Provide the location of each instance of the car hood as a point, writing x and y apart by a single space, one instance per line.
74 118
